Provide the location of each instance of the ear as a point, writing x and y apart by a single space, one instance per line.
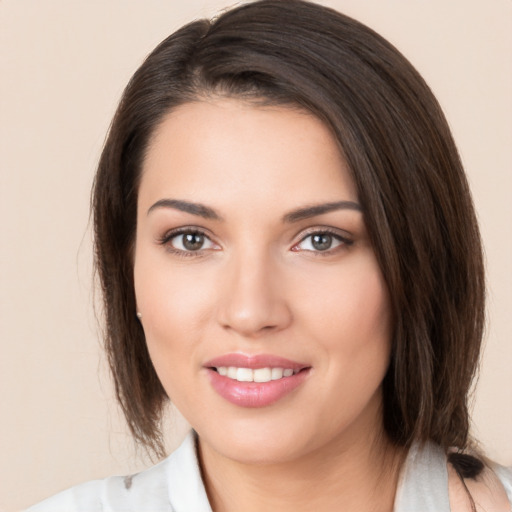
486 490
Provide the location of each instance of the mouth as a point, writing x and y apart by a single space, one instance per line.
255 381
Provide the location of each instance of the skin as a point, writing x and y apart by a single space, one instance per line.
487 492
258 285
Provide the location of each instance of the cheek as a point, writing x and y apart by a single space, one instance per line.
169 315
352 325
167 305
171 296
356 344
175 300
351 306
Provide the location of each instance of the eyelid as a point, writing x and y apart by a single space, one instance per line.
339 234
166 238
170 233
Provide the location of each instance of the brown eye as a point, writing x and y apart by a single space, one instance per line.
188 242
193 241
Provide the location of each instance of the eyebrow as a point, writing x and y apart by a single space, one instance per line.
305 212
319 209
185 206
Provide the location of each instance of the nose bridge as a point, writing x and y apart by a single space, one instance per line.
254 300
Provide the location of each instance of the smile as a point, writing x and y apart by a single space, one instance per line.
258 375
255 380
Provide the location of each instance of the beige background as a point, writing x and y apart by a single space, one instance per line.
63 65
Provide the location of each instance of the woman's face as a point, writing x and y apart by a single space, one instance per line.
252 262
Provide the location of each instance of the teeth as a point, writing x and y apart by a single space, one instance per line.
258 375
262 375
244 375
277 373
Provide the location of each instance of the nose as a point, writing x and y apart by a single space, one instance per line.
253 297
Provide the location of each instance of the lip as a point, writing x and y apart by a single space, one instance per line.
254 361
255 394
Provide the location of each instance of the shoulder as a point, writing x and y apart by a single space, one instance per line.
77 499
430 484
491 490
161 488
505 476
117 493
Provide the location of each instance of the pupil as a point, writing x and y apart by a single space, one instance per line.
193 241
322 242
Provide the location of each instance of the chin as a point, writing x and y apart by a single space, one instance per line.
259 450
259 442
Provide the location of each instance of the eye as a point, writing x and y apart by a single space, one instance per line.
187 241
321 241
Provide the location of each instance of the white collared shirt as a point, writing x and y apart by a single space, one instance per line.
175 485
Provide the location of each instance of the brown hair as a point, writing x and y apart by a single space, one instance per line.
392 132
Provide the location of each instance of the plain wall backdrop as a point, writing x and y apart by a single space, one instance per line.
63 66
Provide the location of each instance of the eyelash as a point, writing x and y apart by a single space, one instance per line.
344 241
166 239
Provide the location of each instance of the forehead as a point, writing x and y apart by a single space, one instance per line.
226 149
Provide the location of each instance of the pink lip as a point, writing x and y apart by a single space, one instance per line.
254 361
255 394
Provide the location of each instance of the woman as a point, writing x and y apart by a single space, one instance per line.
289 253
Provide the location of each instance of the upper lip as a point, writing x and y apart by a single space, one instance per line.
254 361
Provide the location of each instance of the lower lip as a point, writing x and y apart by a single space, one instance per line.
255 394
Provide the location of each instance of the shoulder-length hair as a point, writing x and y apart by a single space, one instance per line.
396 141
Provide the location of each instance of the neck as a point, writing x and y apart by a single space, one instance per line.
347 474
